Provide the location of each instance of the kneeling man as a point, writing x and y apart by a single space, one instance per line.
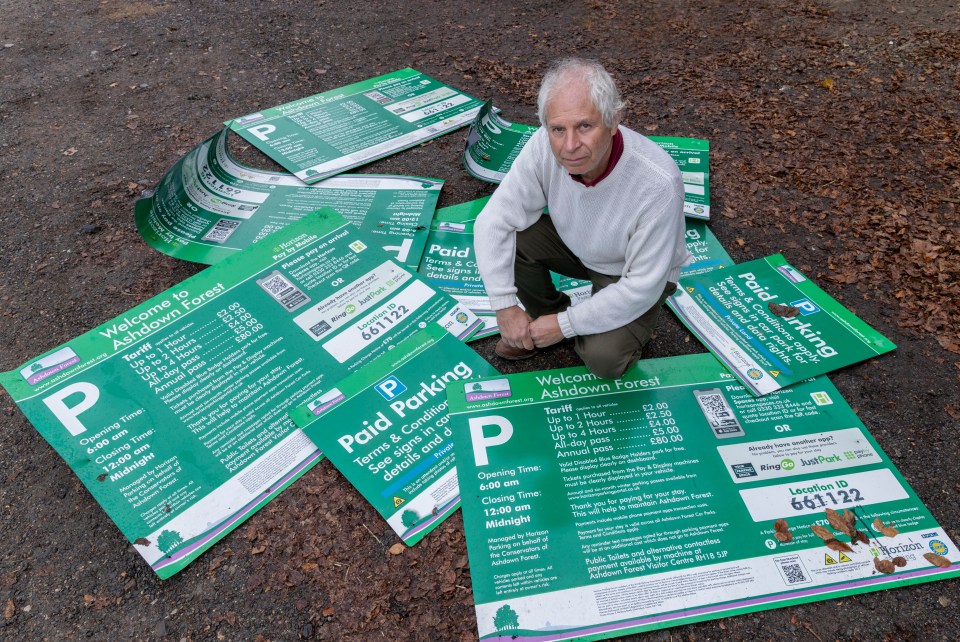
615 204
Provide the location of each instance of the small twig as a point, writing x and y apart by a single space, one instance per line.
374 536
807 627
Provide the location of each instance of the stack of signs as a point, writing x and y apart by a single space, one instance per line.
174 415
493 143
209 207
595 508
386 428
449 262
771 326
337 130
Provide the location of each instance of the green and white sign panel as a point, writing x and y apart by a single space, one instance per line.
386 428
209 207
596 508
493 143
771 325
329 133
449 262
174 415
692 156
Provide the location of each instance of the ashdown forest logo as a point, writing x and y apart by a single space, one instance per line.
327 399
482 390
49 365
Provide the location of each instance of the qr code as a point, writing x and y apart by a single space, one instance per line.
221 231
792 570
276 285
376 96
283 290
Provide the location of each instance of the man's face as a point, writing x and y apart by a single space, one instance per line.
578 137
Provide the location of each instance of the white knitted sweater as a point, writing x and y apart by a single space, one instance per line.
631 223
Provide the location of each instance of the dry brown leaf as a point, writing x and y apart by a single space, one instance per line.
10 610
329 611
396 549
837 545
785 311
822 532
838 522
887 529
827 83
849 518
784 537
780 526
899 561
884 566
937 560
141 541
859 536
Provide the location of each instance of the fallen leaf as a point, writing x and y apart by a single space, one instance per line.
937 560
785 311
781 526
822 532
784 537
10 610
859 537
837 545
838 522
850 518
396 549
310 567
327 612
256 550
887 529
944 601
884 566
141 541
827 83
899 561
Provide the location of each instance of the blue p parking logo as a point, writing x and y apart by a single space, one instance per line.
806 306
390 388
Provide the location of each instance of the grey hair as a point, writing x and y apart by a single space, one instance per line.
603 90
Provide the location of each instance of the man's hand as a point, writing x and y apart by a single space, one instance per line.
545 331
514 326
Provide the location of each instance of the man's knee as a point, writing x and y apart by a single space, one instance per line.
607 359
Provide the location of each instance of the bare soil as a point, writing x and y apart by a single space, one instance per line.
834 136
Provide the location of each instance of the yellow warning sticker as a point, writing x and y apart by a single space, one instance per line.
690 290
844 558
397 501
828 560
775 373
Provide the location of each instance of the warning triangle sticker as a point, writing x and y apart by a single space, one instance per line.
828 560
775 373
397 501
844 558
690 290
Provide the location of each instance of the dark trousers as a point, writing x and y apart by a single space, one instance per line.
540 251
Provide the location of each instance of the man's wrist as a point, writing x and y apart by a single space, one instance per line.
563 320
502 302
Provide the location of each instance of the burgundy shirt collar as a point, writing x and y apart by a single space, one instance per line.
615 155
